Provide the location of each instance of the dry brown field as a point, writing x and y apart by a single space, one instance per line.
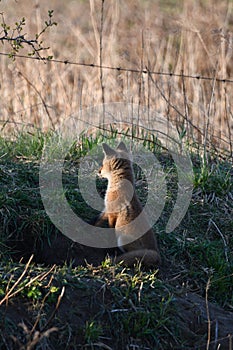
193 38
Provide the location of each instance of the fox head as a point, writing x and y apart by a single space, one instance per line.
116 161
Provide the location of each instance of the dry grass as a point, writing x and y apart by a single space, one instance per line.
171 36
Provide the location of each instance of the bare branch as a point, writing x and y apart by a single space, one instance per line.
17 40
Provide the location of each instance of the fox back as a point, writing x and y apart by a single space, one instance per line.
124 211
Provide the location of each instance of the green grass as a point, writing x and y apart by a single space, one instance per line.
137 305
72 307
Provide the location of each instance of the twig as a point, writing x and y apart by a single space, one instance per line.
39 312
55 310
216 333
35 339
230 336
170 104
8 295
140 84
40 277
213 342
223 238
17 40
208 315
227 111
208 113
101 58
185 100
41 97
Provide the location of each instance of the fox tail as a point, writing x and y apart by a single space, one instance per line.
147 257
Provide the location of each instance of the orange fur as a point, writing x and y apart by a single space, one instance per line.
122 208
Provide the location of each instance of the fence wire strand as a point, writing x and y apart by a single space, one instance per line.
120 69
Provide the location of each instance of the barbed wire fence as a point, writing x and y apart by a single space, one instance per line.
145 71
120 69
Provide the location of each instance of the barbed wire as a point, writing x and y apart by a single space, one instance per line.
120 69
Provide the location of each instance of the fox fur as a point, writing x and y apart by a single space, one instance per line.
123 210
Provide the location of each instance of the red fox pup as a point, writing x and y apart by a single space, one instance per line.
123 211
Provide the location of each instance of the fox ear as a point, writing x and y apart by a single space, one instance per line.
122 147
108 151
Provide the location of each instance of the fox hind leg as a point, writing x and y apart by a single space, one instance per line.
100 221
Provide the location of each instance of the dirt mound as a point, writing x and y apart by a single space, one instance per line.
202 324
82 304
59 250
197 318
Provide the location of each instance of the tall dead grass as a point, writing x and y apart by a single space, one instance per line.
190 37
